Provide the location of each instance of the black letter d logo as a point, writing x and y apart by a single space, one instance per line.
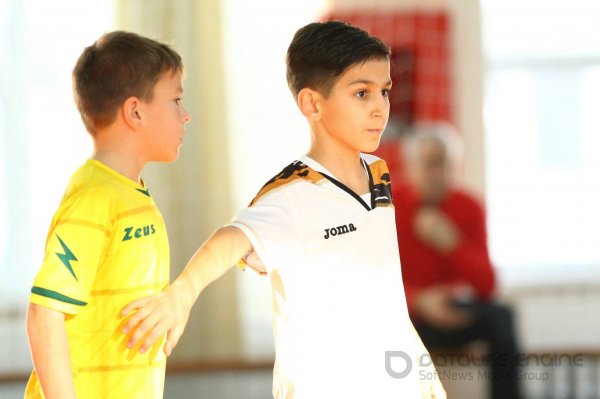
388 364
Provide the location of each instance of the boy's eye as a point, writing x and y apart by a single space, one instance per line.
385 92
361 94
178 100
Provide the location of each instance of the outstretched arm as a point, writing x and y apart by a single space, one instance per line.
168 312
50 351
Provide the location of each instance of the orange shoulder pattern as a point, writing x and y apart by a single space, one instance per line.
382 186
295 170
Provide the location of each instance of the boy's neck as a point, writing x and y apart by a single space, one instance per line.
346 166
125 167
119 155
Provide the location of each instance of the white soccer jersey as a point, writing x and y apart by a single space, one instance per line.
337 294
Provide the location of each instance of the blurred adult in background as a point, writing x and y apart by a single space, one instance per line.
448 277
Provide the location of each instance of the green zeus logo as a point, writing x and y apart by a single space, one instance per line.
67 257
132 232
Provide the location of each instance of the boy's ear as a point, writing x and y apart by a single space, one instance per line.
308 102
131 110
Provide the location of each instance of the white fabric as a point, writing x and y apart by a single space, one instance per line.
338 303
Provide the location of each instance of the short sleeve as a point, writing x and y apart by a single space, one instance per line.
268 226
76 243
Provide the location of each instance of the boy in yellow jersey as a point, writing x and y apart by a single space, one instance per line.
107 243
323 229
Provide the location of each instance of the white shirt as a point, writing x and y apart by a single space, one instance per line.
337 294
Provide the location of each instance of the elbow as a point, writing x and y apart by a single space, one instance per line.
32 320
31 317
39 319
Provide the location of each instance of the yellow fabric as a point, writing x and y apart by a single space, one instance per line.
107 246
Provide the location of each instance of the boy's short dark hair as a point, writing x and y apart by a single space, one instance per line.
117 66
321 51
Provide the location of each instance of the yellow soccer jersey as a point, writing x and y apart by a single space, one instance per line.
107 246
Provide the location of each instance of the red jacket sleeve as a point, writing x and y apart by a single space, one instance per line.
423 266
470 261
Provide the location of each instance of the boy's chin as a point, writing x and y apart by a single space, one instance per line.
168 158
371 147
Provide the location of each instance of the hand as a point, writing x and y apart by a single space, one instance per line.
154 316
255 263
435 306
168 312
432 388
436 229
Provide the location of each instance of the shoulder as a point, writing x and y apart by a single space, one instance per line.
293 173
90 194
378 168
374 162
381 180
90 186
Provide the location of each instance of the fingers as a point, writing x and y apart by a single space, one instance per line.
146 324
156 331
152 318
172 339
144 329
142 311
454 323
434 390
449 318
459 318
437 390
259 270
427 391
438 394
138 305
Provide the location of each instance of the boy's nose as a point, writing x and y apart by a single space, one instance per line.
381 108
186 116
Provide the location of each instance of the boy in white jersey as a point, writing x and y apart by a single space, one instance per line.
323 230
107 244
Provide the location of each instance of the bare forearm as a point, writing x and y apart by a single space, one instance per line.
50 351
217 255
168 313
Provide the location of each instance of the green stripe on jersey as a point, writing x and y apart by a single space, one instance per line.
55 295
